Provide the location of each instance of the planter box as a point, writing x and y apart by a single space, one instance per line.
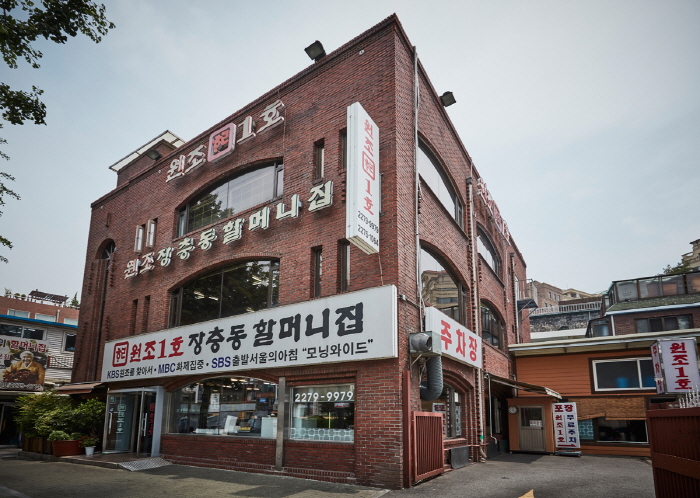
67 448
36 445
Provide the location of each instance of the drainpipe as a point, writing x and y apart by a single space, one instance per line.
416 105
477 309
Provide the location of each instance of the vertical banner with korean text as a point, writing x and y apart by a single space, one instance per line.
363 181
458 342
352 326
679 364
23 363
565 426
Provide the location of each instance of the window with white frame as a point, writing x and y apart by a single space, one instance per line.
45 318
69 343
18 313
151 233
19 331
138 238
623 374
70 321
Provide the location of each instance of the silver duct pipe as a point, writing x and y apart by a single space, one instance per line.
434 386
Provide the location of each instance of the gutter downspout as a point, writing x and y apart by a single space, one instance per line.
476 313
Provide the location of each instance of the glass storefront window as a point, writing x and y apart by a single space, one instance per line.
233 406
324 413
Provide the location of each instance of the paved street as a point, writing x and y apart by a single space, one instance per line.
510 476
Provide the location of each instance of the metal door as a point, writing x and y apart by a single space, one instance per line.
532 435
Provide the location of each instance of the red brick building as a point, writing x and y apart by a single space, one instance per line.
240 313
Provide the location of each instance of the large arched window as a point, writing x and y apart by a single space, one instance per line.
488 251
232 290
440 289
234 195
433 174
491 326
232 406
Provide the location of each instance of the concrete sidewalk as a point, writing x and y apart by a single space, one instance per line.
547 476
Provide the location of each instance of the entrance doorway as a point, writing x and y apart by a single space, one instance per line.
133 420
532 436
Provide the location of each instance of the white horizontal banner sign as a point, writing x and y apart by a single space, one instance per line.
458 341
355 326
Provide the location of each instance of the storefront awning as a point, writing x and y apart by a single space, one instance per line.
524 386
80 388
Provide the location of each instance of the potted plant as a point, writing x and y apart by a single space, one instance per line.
89 443
63 444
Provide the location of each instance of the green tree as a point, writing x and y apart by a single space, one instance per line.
682 267
22 22
74 302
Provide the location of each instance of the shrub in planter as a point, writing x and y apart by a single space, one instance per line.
63 445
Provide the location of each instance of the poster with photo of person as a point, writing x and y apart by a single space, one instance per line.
22 364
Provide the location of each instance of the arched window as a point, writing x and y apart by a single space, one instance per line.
231 406
433 174
440 289
232 290
450 405
488 251
491 326
234 195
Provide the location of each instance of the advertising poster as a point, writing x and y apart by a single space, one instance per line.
22 363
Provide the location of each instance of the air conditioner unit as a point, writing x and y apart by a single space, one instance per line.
425 344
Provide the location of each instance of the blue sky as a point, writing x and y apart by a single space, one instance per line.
583 117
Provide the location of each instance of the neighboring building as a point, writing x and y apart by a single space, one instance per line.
548 295
575 294
608 373
231 305
693 257
37 343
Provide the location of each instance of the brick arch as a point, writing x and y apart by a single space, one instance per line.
447 262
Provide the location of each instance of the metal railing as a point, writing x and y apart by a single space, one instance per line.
567 308
60 362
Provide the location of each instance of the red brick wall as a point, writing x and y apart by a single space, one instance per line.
8 303
381 78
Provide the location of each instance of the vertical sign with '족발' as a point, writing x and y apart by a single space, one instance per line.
363 181
565 425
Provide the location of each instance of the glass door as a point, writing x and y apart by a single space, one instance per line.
131 421
147 423
122 411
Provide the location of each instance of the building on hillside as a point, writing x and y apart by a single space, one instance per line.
693 257
37 343
249 295
609 373
575 294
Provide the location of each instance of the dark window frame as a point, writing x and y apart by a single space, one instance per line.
184 224
319 159
484 240
343 266
458 212
316 270
177 296
497 339
461 307
664 319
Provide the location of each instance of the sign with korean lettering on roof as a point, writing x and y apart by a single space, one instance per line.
363 181
354 326
675 365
